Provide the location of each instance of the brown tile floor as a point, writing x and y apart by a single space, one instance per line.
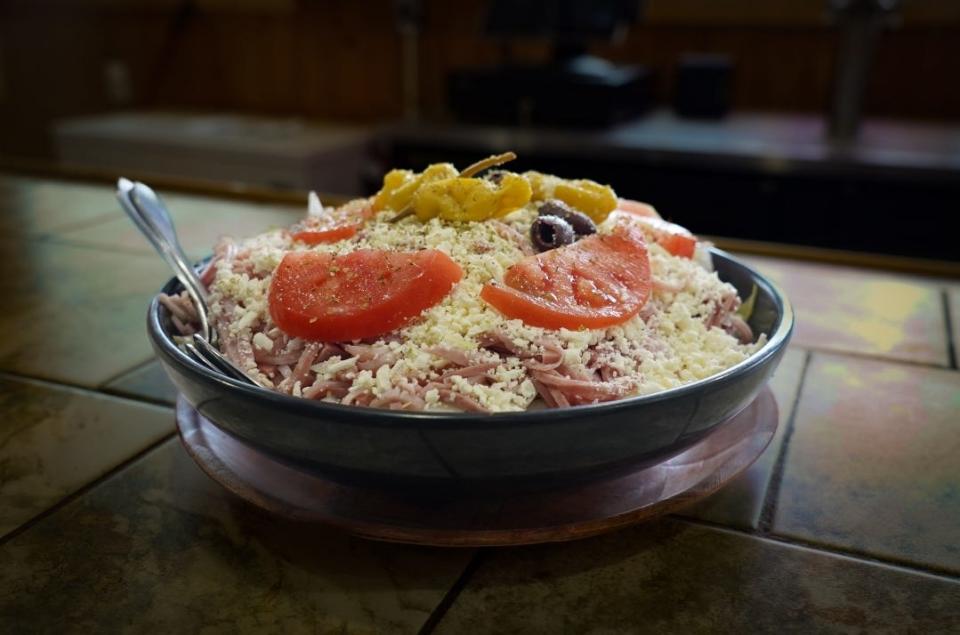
872 462
56 440
867 471
671 577
146 382
953 300
871 313
160 548
200 221
740 503
38 207
76 314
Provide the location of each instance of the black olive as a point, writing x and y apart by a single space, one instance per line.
581 223
550 232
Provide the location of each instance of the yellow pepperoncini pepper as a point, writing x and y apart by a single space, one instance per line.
591 198
399 186
542 185
470 199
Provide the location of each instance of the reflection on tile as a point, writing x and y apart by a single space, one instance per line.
200 221
146 382
74 314
36 207
860 311
160 548
671 577
55 440
873 462
740 502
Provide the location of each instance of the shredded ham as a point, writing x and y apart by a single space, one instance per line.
470 371
451 355
371 356
301 371
664 286
325 388
398 399
551 358
738 327
506 231
499 341
454 398
579 391
722 309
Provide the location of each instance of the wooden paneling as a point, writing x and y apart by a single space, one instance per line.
338 59
776 68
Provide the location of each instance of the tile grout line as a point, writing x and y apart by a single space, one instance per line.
93 221
951 348
93 246
62 385
114 377
69 498
768 509
853 554
453 593
873 357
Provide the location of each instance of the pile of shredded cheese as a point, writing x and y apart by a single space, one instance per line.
668 344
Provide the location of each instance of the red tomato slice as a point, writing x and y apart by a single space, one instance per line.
331 235
674 238
330 227
362 294
637 208
599 281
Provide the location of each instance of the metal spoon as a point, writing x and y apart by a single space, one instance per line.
151 217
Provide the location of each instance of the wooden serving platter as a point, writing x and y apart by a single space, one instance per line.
484 520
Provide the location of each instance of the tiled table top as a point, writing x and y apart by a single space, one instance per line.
849 522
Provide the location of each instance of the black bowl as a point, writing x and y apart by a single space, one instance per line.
388 448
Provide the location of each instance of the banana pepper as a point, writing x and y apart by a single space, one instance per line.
399 186
590 197
471 199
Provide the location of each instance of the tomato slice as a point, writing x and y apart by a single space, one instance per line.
599 281
330 235
332 226
674 238
637 208
361 294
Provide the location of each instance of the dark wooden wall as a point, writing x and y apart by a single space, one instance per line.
337 59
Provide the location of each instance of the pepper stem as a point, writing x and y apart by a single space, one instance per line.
489 162
401 215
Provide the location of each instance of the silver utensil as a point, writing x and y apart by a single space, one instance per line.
150 215
215 359
152 218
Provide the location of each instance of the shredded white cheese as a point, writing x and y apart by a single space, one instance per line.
666 345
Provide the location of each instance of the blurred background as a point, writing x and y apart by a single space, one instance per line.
824 123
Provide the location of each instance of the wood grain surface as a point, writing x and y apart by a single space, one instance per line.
491 520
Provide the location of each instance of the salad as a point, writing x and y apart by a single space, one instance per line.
478 289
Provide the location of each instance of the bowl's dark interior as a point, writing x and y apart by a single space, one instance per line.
534 447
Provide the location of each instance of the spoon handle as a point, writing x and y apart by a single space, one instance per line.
151 217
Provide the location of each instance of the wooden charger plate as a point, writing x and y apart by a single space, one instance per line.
511 519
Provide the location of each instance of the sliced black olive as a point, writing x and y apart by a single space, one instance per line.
581 223
550 232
